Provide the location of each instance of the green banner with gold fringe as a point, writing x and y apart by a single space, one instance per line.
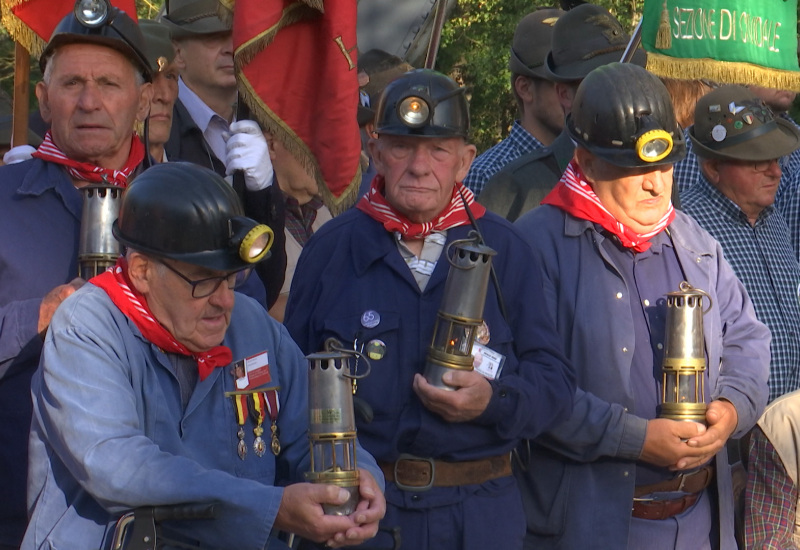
727 41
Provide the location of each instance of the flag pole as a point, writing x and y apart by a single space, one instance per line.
636 40
436 34
21 101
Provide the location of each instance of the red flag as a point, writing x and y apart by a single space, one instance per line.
31 22
296 66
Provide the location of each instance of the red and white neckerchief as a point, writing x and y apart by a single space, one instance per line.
574 195
374 204
133 304
85 171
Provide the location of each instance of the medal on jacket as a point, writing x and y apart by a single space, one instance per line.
258 415
240 403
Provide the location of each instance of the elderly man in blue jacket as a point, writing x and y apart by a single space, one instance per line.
157 382
616 474
374 279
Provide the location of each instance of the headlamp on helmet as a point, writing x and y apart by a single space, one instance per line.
417 107
253 241
92 13
653 143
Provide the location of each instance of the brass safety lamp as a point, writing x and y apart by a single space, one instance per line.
97 247
332 424
461 311
684 363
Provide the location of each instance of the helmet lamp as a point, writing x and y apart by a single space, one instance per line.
256 244
654 145
414 111
92 13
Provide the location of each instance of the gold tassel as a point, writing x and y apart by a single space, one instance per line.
664 36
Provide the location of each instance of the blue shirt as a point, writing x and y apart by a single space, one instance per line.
763 259
519 142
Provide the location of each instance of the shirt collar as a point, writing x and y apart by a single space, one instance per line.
201 114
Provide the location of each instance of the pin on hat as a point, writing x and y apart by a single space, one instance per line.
747 130
531 43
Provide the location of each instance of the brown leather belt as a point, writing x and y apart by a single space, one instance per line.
693 483
412 473
663 509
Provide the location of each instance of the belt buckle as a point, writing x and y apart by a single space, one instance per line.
682 484
414 488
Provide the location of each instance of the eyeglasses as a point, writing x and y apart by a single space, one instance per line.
764 165
202 288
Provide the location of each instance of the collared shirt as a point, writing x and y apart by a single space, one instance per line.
763 259
687 171
210 123
519 142
300 217
771 496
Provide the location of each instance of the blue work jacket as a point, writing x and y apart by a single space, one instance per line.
579 484
40 217
110 433
352 266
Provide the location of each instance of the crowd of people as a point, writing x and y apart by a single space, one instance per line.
179 375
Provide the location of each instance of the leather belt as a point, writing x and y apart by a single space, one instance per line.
416 474
693 482
663 509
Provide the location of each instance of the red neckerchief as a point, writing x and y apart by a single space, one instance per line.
85 171
130 302
374 204
574 195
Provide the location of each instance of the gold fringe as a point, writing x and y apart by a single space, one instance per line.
723 72
225 11
664 35
243 55
19 31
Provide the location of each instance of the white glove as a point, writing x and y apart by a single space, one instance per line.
246 150
18 154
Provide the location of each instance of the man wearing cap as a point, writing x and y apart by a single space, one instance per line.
535 93
617 474
161 55
373 279
584 38
133 402
739 143
96 84
204 126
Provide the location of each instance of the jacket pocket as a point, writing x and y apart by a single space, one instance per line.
545 490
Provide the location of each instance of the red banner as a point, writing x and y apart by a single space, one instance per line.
31 22
296 67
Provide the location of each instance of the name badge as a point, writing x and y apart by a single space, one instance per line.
253 371
487 361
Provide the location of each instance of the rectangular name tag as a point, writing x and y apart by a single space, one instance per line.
487 361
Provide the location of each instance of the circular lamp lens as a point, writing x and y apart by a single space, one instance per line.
91 13
414 111
256 244
654 145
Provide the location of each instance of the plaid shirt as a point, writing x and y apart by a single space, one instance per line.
787 200
771 498
687 171
763 259
519 142
300 217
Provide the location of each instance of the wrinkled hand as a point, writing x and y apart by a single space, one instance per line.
246 150
470 398
301 513
370 510
682 445
53 299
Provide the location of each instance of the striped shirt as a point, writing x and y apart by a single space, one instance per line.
764 261
519 142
